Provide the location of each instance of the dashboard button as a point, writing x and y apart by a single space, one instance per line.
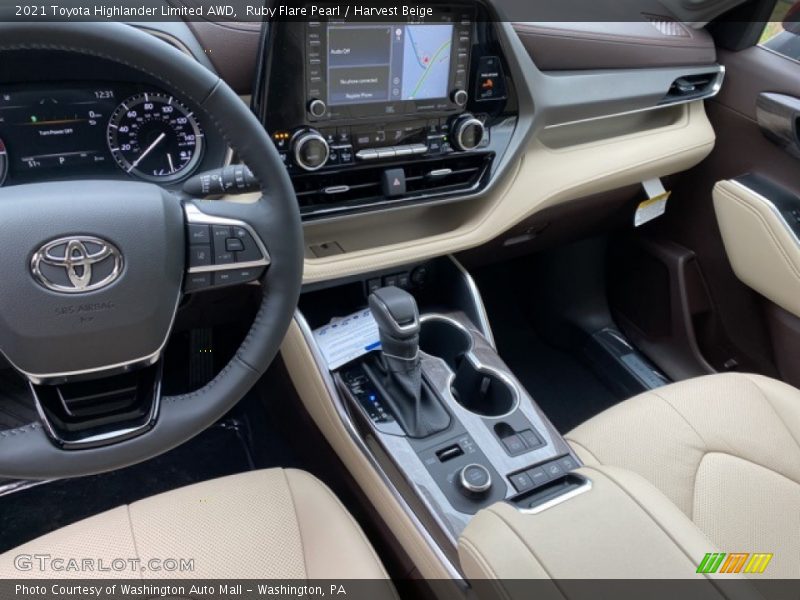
199 234
384 153
554 470
538 476
569 463
521 482
531 438
367 154
345 155
514 444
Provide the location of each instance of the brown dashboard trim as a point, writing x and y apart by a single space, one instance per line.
619 45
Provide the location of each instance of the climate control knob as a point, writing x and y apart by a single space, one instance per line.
310 150
475 479
467 132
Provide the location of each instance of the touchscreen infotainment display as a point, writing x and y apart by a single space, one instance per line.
388 62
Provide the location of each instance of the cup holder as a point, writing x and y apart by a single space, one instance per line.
444 340
479 391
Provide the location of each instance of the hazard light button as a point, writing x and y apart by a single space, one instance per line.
394 183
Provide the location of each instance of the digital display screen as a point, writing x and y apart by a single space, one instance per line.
388 62
51 130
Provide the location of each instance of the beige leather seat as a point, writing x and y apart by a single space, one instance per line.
272 524
725 449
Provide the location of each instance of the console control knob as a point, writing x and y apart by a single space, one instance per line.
460 97
310 150
467 132
475 479
317 108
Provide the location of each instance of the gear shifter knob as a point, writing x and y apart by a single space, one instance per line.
397 373
396 313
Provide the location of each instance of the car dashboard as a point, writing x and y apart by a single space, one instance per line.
102 122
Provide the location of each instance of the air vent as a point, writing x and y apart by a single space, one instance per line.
667 26
359 189
691 87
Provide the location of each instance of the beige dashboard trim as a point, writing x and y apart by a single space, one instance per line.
544 177
763 251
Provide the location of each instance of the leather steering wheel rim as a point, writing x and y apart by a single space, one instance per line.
27 452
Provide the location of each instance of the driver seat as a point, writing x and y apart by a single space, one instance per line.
269 524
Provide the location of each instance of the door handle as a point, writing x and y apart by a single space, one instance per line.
778 116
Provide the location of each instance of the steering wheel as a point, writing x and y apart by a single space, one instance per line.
60 324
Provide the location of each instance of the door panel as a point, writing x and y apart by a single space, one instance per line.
748 332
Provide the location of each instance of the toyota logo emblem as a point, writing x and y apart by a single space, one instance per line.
77 264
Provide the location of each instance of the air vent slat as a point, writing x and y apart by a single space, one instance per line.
360 188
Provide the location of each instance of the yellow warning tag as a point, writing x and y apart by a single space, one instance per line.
654 206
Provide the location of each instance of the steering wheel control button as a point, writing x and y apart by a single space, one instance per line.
475 479
200 256
199 234
220 233
197 281
236 276
249 251
234 245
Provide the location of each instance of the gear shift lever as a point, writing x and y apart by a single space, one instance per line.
396 313
398 373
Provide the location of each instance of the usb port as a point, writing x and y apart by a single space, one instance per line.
449 453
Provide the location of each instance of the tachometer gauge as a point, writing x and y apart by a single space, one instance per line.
155 137
3 162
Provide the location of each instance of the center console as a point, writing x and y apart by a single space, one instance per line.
372 114
435 405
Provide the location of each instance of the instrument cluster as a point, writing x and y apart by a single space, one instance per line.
101 130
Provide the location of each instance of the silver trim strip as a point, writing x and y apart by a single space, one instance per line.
341 410
710 94
196 216
584 487
477 299
107 438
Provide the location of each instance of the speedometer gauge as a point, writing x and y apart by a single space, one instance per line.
155 137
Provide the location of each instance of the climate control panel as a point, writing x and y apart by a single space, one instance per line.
311 149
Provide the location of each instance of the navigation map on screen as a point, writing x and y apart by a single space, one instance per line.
426 61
